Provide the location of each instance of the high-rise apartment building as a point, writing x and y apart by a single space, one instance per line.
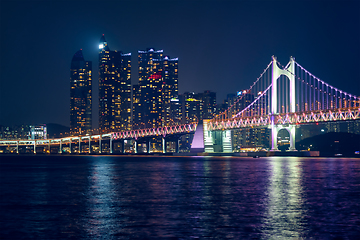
125 92
158 84
191 107
80 94
114 89
208 100
170 90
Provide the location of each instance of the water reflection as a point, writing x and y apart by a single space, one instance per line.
112 197
285 211
100 217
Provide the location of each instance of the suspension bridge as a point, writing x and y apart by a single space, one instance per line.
280 98
285 96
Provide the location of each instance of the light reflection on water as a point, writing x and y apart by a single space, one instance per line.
99 201
285 206
110 197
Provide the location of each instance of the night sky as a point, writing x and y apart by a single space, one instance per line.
222 46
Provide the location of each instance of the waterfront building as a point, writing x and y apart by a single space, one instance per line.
15 132
137 121
114 89
170 90
208 100
125 92
176 110
158 84
38 131
22 132
192 107
80 94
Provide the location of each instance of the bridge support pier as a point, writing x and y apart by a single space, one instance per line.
274 132
226 141
122 146
163 145
224 138
177 144
290 74
148 145
208 138
100 144
111 144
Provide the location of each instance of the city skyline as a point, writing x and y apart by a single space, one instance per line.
232 51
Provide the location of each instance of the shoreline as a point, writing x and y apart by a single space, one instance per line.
203 154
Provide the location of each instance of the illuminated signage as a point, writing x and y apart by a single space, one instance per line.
101 46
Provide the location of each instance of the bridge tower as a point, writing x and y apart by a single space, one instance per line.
289 72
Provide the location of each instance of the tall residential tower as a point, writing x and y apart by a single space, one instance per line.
114 89
80 94
158 84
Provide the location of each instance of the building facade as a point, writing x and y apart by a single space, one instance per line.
158 85
80 95
208 100
114 89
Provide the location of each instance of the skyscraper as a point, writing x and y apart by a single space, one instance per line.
80 94
170 89
158 84
114 89
208 100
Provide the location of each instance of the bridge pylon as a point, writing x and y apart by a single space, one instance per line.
224 137
289 72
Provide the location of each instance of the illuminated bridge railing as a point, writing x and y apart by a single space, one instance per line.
153 132
133 134
329 115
